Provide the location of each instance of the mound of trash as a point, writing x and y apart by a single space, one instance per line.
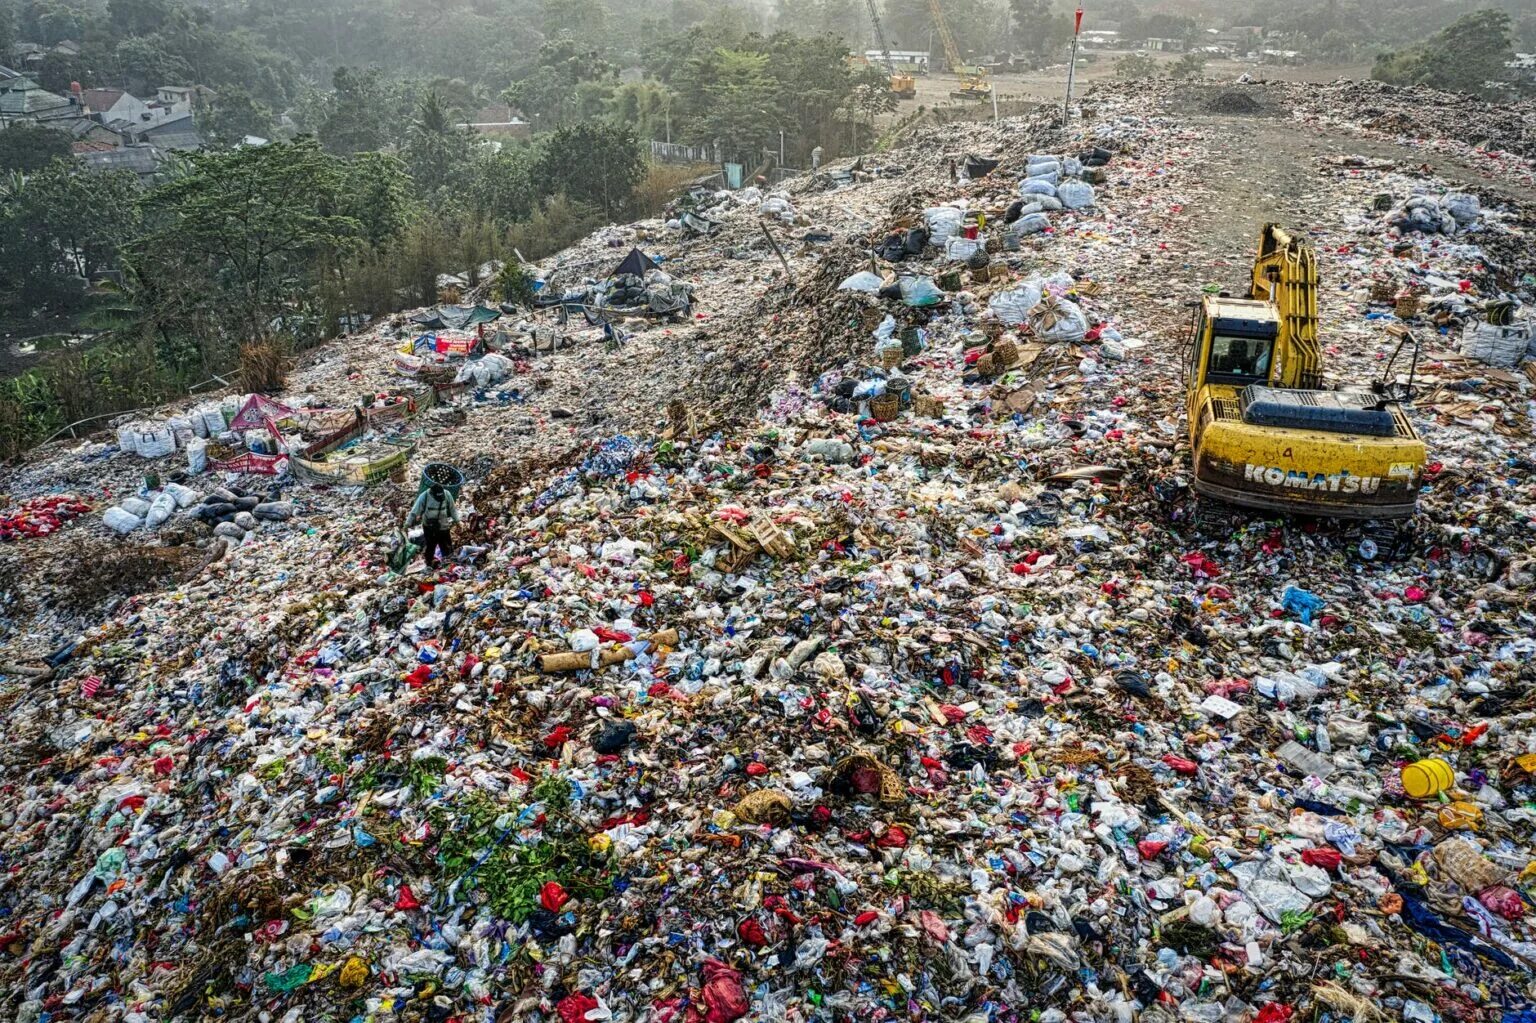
844 643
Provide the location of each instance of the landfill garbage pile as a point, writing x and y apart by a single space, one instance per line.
854 651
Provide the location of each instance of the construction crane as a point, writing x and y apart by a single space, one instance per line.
1263 432
904 86
973 81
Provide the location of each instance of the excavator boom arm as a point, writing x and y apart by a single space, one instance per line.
1285 273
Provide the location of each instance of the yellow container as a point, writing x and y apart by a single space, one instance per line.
1426 778
1460 816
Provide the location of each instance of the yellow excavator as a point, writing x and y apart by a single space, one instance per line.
1262 431
973 80
902 86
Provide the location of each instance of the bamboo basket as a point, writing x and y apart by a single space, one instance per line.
927 406
1005 353
885 407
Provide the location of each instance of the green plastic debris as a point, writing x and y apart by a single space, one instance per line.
289 979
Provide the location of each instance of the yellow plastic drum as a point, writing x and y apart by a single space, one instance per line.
1427 778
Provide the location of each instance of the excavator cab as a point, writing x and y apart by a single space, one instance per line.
1263 433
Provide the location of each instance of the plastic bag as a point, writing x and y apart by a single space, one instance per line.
942 222
1029 223
865 281
1037 186
1463 206
1013 306
1075 195
197 455
135 506
121 520
154 440
159 510
920 291
185 497
959 250
1061 321
402 553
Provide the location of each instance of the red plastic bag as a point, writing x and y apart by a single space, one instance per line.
553 897
1504 901
573 1008
725 999
1328 859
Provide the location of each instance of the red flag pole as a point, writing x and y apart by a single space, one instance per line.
1077 27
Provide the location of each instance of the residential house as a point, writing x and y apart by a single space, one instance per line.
116 105
1164 45
22 99
177 131
498 120
141 159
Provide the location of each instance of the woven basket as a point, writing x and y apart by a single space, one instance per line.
1407 307
865 775
927 406
885 407
890 358
1005 353
1382 291
986 365
763 806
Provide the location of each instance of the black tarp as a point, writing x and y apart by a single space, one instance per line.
636 263
979 166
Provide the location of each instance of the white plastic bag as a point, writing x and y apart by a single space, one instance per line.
942 222
197 455
135 506
154 440
865 281
1013 306
1029 223
1075 195
121 521
1061 321
959 250
185 497
181 429
159 510
128 438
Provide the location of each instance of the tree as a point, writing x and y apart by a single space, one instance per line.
234 242
28 147
566 83
1135 66
731 97
499 183
1466 56
148 62
355 122
146 17
571 18
871 95
1038 29
376 193
1190 65
437 149
592 162
235 115
60 227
